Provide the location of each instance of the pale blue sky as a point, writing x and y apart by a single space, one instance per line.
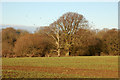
102 14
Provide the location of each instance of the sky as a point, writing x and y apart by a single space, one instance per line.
35 14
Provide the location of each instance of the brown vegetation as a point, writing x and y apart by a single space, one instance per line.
69 35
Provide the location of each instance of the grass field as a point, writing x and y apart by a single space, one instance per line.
61 67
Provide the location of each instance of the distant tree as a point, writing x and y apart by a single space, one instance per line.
68 24
32 45
95 48
9 37
22 32
85 43
101 33
111 42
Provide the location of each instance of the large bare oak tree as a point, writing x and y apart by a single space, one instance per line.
68 24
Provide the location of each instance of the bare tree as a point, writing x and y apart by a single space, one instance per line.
53 32
68 24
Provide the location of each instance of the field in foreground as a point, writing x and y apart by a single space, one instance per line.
61 67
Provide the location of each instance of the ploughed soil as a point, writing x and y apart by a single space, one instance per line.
62 70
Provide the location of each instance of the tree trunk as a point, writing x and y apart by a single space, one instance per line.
58 44
68 53
58 52
68 49
58 49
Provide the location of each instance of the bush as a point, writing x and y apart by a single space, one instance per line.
7 53
32 45
111 42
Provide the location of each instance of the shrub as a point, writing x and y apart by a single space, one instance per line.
32 45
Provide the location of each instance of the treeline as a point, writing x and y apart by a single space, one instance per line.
70 35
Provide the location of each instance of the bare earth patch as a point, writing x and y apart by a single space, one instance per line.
61 70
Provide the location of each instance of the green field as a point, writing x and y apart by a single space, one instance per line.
61 67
